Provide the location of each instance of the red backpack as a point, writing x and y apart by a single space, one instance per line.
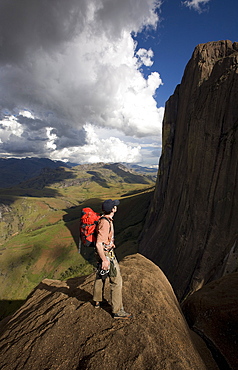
88 223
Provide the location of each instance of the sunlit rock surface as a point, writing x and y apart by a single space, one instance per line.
59 328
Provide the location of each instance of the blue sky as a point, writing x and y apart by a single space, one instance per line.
76 87
182 28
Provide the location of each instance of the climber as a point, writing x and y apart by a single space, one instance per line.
107 263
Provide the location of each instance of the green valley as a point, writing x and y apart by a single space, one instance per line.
40 224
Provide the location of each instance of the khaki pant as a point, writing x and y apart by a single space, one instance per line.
115 286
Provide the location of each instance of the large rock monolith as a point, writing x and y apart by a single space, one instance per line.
191 229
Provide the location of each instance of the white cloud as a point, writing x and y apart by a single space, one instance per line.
26 113
111 149
144 57
144 150
68 64
196 4
51 139
8 127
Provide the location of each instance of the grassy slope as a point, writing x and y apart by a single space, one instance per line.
41 230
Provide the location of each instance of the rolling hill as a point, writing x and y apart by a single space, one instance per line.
40 223
15 170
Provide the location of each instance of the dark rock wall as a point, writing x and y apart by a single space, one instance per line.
212 312
191 229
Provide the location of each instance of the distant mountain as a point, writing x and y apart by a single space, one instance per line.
152 171
13 170
39 172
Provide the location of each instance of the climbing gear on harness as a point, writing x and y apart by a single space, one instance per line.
112 269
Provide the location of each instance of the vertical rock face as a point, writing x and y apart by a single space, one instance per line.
191 229
212 312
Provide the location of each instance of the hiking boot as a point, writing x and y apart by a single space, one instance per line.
103 303
97 305
122 315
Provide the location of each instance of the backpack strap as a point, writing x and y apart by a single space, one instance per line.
110 228
105 218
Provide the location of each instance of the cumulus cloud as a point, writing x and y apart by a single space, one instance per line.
197 5
144 57
65 65
110 149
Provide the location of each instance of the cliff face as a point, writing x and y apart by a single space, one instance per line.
212 312
191 229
